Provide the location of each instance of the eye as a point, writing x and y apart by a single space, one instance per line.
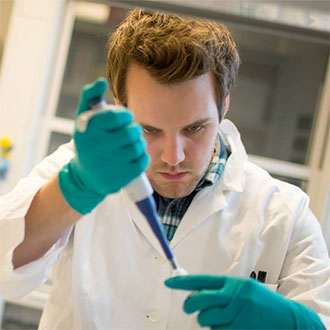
149 130
195 128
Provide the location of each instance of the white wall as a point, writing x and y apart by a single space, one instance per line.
26 73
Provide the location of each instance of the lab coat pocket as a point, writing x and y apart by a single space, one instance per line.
272 287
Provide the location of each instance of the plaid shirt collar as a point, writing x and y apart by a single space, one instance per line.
216 166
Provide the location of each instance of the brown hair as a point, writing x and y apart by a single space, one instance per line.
172 49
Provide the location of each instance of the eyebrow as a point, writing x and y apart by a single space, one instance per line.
195 123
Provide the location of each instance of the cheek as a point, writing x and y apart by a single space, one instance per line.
153 149
198 151
201 151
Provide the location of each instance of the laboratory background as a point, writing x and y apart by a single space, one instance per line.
49 49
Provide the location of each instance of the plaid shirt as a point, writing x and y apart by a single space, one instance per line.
171 211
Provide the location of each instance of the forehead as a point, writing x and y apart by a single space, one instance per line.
186 101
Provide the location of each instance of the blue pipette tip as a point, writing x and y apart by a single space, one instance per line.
148 208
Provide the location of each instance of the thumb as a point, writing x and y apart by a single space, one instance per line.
90 92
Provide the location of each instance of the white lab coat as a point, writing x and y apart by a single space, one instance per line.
110 273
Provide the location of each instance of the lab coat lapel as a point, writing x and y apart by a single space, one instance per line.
141 222
207 202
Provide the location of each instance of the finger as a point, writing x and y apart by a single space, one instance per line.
205 299
90 92
196 282
134 151
137 166
110 120
129 153
110 141
214 316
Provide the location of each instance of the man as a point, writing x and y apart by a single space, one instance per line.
224 216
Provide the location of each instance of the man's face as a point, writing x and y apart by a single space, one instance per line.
180 123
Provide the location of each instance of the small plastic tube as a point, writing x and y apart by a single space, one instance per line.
179 272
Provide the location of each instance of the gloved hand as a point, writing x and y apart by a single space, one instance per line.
227 302
109 154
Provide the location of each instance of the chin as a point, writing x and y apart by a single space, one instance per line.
172 195
176 191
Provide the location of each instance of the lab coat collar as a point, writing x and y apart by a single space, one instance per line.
233 175
207 201
204 204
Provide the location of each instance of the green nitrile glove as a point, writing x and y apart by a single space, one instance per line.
227 302
109 154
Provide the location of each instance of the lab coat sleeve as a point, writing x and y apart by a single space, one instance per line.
14 284
305 275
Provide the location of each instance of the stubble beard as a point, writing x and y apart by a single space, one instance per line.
177 189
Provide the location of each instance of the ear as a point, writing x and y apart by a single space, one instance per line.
226 104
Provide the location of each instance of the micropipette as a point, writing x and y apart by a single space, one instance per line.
139 190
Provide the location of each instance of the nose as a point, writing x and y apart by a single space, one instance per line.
173 151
